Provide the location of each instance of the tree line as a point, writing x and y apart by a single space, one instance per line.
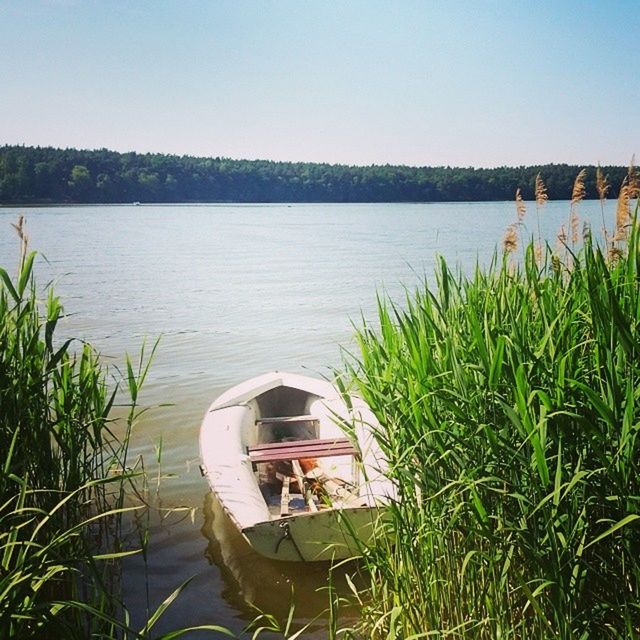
41 175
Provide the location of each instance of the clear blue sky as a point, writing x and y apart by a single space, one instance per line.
480 83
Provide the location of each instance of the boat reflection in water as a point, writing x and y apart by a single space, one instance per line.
251 580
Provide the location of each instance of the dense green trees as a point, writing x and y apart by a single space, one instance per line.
45 174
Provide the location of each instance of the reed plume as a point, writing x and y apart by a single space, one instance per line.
538 253
633 180
541 199
602 184
623 216
510 240
19 226
562 239
540 191
602 187
521 207
577 195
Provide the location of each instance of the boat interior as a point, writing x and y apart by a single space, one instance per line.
302 458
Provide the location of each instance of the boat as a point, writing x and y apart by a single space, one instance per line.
296 467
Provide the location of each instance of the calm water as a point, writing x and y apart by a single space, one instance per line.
235 291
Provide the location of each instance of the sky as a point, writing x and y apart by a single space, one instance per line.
484 83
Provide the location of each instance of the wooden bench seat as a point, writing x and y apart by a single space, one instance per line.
284 419
277 451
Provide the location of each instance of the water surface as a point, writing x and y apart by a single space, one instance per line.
235 291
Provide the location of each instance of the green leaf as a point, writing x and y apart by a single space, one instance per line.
9 285
164 605
618 525
117 554
25 273
496 363
203 627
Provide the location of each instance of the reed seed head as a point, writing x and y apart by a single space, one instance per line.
633 180
577 195
602 184
540 191
521 207
510 240
538 253
562 236
623 215
614 253
575 223
19 226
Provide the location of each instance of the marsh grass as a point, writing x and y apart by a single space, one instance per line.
57 482
509 407
65 477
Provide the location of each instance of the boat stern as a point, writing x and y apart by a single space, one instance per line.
334 534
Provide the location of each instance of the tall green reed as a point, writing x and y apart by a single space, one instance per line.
508 401
64 474
64 471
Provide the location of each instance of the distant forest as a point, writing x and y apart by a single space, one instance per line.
41 175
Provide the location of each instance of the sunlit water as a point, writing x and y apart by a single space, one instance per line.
235 291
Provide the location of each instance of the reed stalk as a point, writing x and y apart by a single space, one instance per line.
602 187
577 195
541 198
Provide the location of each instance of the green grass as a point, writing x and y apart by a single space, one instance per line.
509 405
64 475
55 440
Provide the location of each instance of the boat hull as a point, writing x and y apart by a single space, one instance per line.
334 534
260 412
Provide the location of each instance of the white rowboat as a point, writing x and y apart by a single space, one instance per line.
297 470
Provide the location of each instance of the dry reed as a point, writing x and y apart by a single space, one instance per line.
538 253
602 184
602 187
577 195
19 226
562 240
630 187
623 217
521 207
541 199
633 180
510 240
540 192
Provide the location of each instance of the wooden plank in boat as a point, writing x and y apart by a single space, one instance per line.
275 451
299 476
293 444
281 419
284 498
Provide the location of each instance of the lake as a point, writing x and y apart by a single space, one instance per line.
234 291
